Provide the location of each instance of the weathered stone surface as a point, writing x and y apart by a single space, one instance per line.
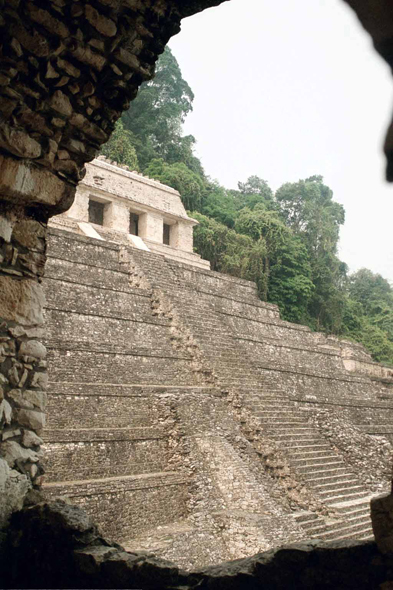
61 103
19 143
13 453
16 395
104 25
34 42
30 234
5 228
13 488
21 183
5 412
11 433
33 348
45 18
36 397
39 381
30 439
98 320
31 419
382 519
21 301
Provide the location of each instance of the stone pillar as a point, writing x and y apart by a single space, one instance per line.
23 376
117 217
151 227
80 208
182 237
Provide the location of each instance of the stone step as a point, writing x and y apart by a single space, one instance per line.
342 496
323 470
315 460
310 454
356 512
335 485
304 517
258 402
332 479
285 428
353 506
261 404
315 530
346 532
263 409
309 447
281 421
290 438
285 423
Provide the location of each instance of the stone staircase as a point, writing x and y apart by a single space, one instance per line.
313 458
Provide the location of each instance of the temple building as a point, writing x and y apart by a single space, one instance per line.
114 204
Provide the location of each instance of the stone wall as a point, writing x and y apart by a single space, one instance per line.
23 375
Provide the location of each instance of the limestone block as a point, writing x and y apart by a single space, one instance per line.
21 301
151 227
12 452
11 433
16 395
33 348
30 234
5 229
61 103
18 143
382 521
40 381
5 412
13 488
80 207
31 419
117 217
30 439
103 25
182 237
36 397
24 184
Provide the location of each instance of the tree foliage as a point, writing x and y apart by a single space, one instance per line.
155 117
179 177
120 147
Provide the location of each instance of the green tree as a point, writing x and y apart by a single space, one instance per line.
120 148
156 116
179 177
375 296
308 209
230 252
253 192
218 203
286 265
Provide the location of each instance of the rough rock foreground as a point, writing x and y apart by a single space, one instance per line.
55 545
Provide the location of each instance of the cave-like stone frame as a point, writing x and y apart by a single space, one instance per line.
68 71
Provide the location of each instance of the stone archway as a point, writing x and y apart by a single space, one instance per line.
68 70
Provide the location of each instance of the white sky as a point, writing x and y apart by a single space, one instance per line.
286 89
